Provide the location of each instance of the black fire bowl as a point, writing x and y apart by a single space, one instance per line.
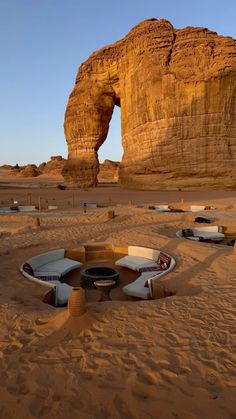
89 275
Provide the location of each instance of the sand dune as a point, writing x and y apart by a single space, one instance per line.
167 358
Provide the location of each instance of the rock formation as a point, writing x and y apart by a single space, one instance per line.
30 170
15 170
53 166
41 167
176 90
108 171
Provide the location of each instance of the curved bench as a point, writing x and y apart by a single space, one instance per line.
47 269
211 233
151 263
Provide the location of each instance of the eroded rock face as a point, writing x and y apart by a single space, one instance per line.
176 90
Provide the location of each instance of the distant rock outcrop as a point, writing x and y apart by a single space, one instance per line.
6 167
109 171
41 167
53 166
15 170
30 170
176 89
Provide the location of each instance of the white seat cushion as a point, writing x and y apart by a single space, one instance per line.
62 293
137 288
209 234
44 258
135 262
61 266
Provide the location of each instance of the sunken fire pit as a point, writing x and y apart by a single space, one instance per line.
90 275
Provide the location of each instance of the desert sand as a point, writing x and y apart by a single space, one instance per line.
167 358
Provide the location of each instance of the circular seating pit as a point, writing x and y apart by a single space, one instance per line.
48 268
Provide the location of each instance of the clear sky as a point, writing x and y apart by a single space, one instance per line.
42 44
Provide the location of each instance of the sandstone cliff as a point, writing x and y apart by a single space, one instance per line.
176 90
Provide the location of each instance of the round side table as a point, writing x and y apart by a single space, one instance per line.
105 286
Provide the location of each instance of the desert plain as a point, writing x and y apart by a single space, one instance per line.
127 358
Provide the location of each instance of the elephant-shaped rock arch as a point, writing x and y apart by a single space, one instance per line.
176 90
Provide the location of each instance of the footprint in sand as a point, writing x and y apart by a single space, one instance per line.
87 333
40 322
148 378
136 335
129 360
168 375
92 365
12 348
222 338
28 331
97 328
119 318
211 378
24 341
120 333
104 320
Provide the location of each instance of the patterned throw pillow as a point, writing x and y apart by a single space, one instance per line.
163 261
28 269
48 277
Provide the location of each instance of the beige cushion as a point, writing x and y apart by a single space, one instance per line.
144 252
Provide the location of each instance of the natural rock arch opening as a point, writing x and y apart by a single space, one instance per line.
176 89
112 146
111 151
